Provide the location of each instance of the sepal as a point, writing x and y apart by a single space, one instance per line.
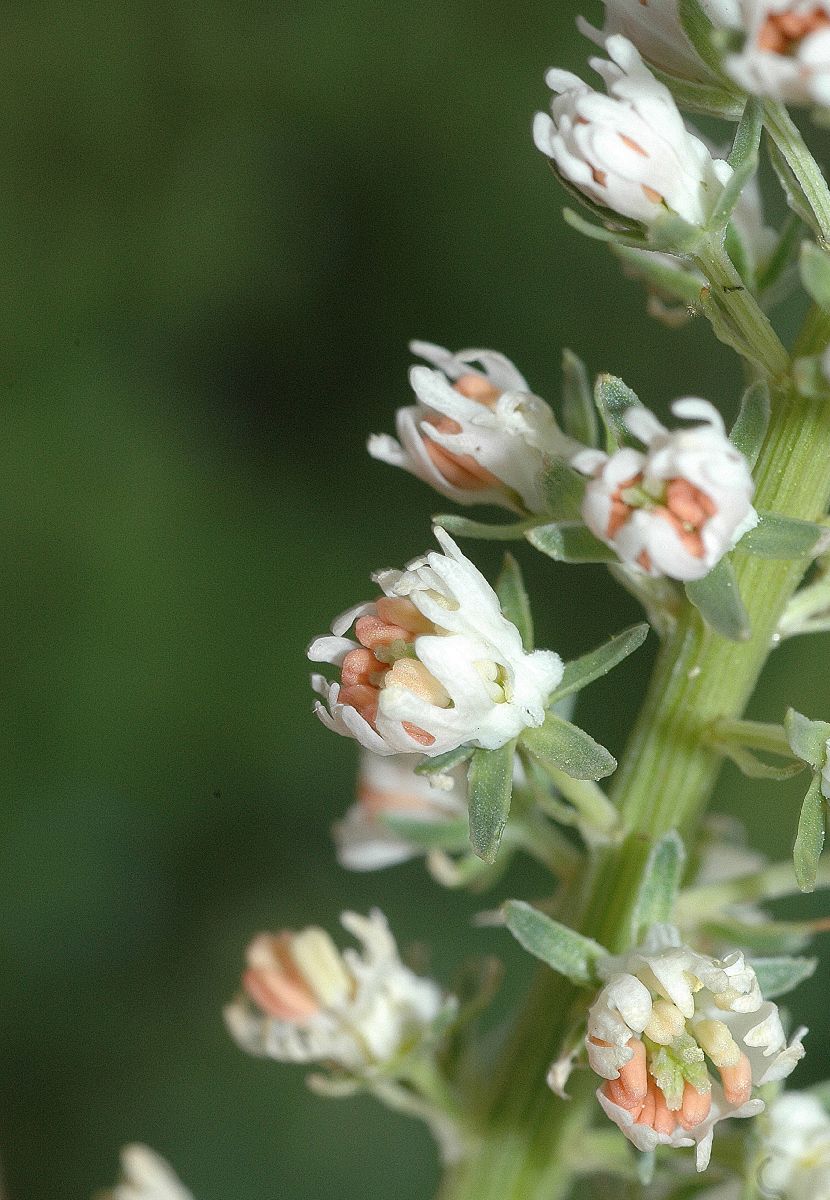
809 840
613 399
464 527
564 950
807 739
513 599
564 489
701 32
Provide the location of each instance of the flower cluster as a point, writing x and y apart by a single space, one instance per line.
666 1019
678 506
655 29
306 1001
477 434
628 151
796 1148
436 664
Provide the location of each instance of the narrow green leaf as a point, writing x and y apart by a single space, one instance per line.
512 595
463 527
807 739
744 162
665 278
765 937
809 840
753 767
613 399
671 234
777 976
428 835
596 663
781 537
569 748
600 233
563 949
444 762
703 98
815 273
579 417
718 600
750 428
564 488
791 186
571 542
490 787
699 29
659 886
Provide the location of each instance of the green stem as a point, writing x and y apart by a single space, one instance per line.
664 782
736 316
769 884
787 137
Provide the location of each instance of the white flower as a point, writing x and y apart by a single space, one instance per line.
306 1001
629 151
787 50
678 507
655 29
436 664
825 772
146 1176
390 785
477 434
796 1149
665 1017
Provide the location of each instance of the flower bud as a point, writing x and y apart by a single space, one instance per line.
629 151
389 786
477 434
677 507
656 30
795 1148
146 1176
786 55
682 1040
436 664
306 1001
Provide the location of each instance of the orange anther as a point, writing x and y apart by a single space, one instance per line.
695 1107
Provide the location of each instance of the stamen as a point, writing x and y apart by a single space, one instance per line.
737 1081
695 1107
666 1023
717 1041
476 387
634 1075
413 675
320 964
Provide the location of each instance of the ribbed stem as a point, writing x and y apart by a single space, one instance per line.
664 782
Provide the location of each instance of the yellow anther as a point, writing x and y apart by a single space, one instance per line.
318 960
718 1043
665 1024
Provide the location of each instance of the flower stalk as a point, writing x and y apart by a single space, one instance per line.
665 780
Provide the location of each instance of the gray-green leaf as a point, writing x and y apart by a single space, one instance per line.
563 949
809 840
490 787
571 542
777 976
512 595
815 273
444 762
781 537
718 600
699 29
613 399
660 885
750 428
743 159
596 663
579 417
564 488
569 748
807 739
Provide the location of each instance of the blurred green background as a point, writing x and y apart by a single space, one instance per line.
220 224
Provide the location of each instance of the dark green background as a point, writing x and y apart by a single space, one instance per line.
220 223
